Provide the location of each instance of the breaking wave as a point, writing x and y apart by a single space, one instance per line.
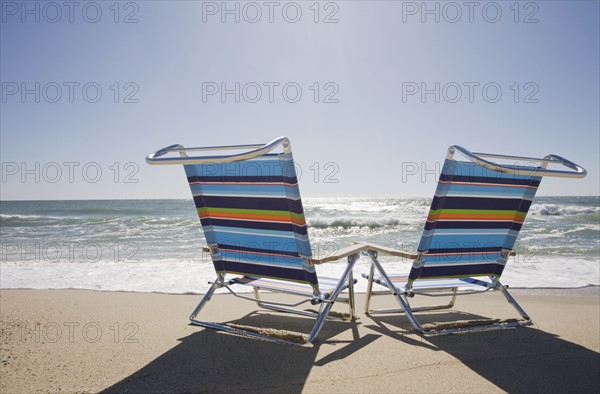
354 222
561 210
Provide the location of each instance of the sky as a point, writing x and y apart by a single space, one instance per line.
370 93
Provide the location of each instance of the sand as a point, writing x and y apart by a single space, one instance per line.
88 341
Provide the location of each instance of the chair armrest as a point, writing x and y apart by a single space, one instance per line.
340 254
400 253
390 251
356 248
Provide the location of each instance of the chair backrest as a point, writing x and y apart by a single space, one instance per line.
474 220
252 217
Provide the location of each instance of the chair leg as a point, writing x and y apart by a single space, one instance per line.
327 304
453 299
401 298
351 304
369 289
404 304
257 296
323 312
204 300
513 302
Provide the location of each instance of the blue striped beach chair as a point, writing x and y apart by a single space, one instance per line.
250 210
475 217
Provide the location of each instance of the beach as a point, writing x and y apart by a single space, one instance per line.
95 296
91 341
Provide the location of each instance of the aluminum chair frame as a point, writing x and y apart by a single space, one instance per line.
325 301
402 294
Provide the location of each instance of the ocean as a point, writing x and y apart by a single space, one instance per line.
156 245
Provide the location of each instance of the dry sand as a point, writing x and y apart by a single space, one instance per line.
80 340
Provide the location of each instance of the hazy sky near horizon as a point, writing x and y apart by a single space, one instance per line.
371 93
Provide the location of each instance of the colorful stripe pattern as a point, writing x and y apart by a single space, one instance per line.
475 217
252 215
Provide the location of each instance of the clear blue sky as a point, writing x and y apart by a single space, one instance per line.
373 56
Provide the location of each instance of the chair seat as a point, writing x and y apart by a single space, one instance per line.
326 285
399 281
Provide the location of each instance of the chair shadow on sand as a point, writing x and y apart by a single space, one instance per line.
213 361
525 359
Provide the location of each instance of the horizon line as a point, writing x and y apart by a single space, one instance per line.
307 197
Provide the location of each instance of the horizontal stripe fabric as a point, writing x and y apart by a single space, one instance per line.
252 215
475 216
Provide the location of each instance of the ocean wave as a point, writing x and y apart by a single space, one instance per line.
99 219
561 210
22 217
420 203
355 222
18 217
108 211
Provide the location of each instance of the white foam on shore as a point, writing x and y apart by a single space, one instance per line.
193 277
155 245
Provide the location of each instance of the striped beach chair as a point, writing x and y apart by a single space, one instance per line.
250 210
475 217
